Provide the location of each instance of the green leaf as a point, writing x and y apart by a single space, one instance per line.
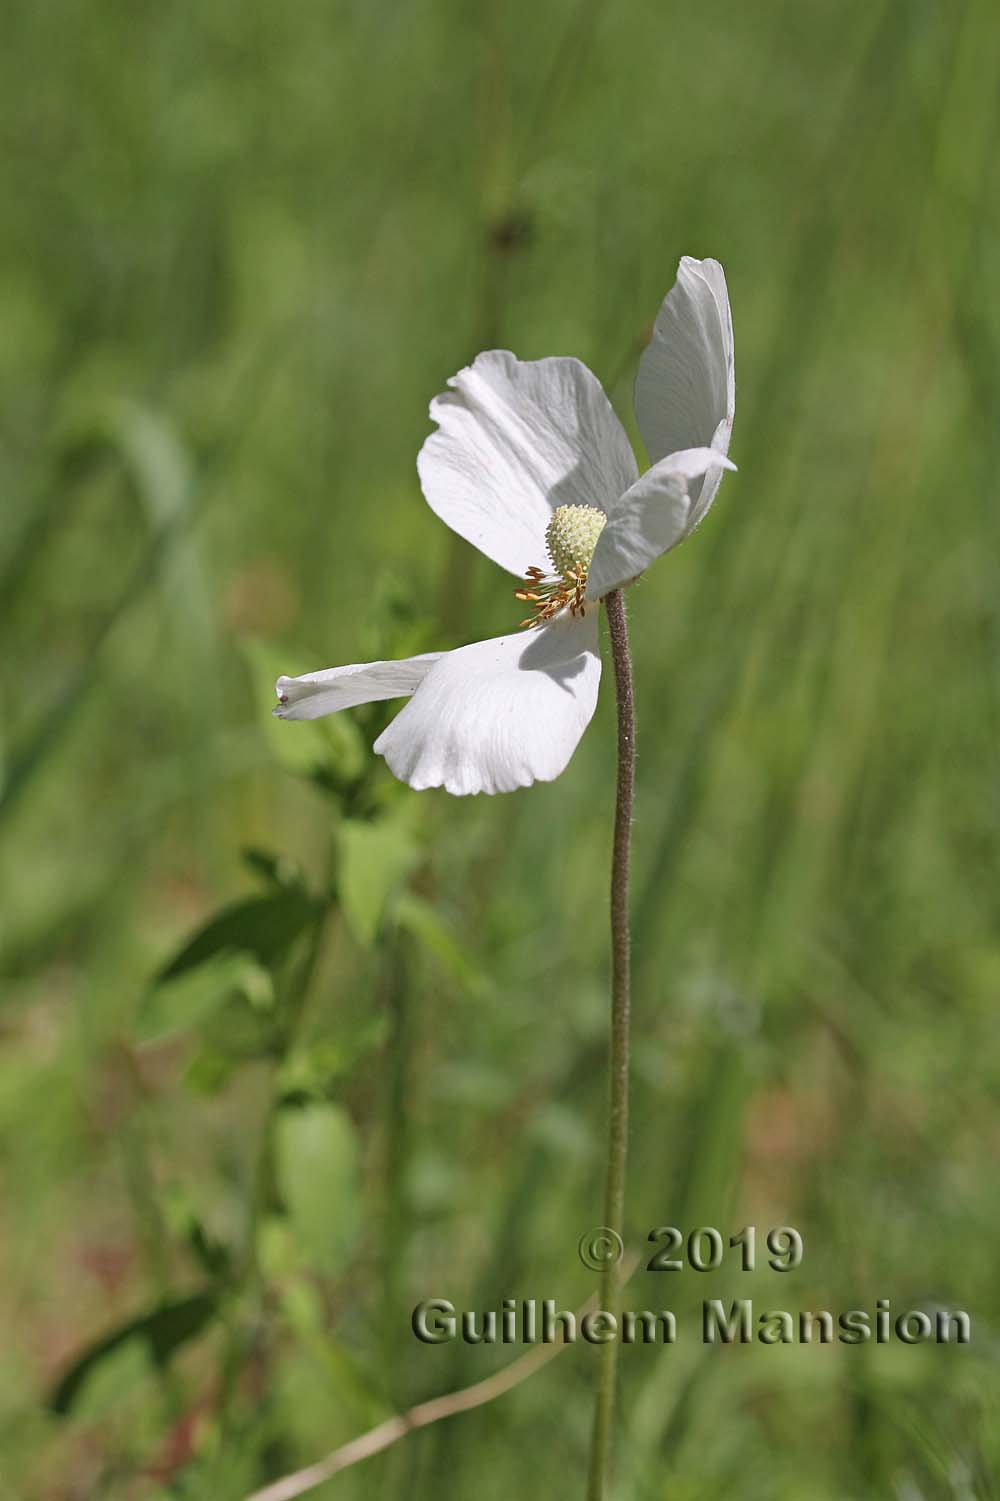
154 453
113 1382
172 1006
162 1331
431 931
310 1069
375 859
241 1030
209 1072
318 1167
264 926
274 870
182 1219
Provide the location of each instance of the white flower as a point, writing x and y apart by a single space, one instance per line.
531 465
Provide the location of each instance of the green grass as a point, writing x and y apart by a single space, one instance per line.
240 251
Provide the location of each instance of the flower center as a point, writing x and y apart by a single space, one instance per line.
570 537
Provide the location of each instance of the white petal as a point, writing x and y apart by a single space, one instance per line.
685 391
517 438
650 518
499 714
318 693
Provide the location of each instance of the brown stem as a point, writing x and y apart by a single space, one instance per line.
614 1195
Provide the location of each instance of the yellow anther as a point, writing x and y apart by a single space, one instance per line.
570 537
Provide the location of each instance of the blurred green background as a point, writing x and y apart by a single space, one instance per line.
241 248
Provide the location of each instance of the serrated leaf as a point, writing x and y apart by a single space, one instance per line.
375 859
162 1331
318 1164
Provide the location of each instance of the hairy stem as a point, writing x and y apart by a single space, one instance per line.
618 1067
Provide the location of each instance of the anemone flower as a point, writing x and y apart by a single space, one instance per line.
530 464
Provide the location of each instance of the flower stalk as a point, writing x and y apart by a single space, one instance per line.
618 1064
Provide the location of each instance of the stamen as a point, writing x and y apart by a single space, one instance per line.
570 537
